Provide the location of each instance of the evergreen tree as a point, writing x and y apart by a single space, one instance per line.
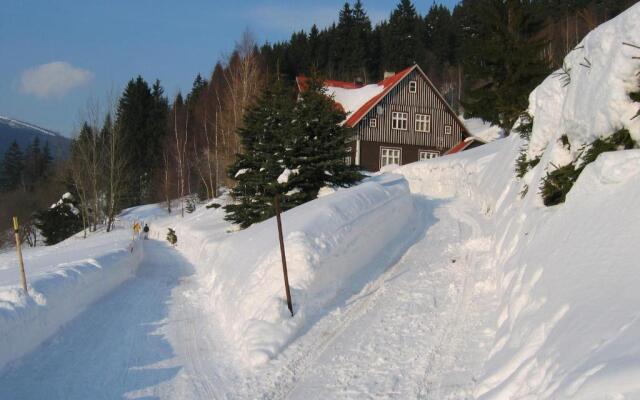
33 164
60 221
317 147
402 38
265 132
505 57
142 119
12 168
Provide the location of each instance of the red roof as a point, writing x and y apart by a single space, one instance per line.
464 143
388 84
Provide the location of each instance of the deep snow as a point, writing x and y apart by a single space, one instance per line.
437 280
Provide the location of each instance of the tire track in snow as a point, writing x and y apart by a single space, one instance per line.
441 358
313 344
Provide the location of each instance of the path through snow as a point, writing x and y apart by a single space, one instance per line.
146 339
411 333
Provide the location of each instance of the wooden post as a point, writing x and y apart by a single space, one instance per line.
276 204
23 276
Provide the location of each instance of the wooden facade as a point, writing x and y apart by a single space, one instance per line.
411 93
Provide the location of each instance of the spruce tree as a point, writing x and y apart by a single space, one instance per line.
142 120
12 168
264 136
60 221
318 147
504 56
402 38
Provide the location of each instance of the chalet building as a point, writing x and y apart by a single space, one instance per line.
399 120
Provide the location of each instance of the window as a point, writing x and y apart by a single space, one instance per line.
413 86
427 155
399 120
447 129
347 158
389 155
373 122
423 123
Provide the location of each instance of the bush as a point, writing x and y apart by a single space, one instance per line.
621 140
557 183
171 237
525 127
191 205
212 205
523 165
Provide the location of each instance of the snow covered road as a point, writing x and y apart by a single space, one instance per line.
411 333
146 339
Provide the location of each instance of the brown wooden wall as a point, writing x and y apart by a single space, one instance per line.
424 101
370 153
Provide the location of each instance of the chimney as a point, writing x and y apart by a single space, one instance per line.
388 74
359 82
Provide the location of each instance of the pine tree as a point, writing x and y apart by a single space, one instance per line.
12 168
264 135
504 55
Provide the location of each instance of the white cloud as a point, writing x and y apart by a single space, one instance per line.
53 79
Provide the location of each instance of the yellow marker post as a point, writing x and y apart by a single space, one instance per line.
16 230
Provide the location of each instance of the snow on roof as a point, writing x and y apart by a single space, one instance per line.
482 130
352 100
357 100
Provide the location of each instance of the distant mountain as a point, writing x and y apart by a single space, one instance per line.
24 133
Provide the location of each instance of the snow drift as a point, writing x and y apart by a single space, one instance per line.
60 292
334 246
566 276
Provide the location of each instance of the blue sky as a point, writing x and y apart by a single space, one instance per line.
55 55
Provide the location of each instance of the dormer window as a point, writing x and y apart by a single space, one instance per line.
413 86
373 122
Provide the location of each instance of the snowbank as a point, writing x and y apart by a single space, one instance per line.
60 292
334 246
566 277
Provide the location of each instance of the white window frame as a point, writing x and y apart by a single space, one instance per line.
423 124
427 154
373 122
448 129
413 86
399 120
347 158
389 158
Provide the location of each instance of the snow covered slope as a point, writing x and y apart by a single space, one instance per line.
24 133
566 276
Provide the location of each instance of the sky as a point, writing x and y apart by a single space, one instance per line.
58 56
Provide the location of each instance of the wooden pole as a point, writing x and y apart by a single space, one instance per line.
276 205
23 276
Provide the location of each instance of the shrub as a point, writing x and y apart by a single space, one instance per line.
523 165
191 205
621 140
557 183
525 127
212 205
171 237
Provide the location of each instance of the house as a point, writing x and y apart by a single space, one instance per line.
399 120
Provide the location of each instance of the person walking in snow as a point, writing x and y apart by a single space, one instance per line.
136 230
146 231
